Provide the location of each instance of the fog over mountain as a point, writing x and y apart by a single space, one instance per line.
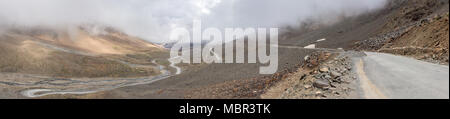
154 19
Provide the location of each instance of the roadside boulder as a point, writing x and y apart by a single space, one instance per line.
321 83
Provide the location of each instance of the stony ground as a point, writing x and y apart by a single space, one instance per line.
324 75
238 89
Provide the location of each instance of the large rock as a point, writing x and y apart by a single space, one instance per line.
321 83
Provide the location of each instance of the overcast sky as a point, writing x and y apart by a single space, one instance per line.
154 19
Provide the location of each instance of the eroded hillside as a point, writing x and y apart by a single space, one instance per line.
78 52
417 28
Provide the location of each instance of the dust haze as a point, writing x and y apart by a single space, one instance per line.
152 20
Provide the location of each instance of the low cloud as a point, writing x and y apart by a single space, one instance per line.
154 19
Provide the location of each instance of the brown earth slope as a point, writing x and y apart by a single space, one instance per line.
428 41
78 53
417 28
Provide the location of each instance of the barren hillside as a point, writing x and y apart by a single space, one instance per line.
416 28
78 52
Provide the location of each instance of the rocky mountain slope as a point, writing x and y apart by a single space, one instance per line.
416 28
84 51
